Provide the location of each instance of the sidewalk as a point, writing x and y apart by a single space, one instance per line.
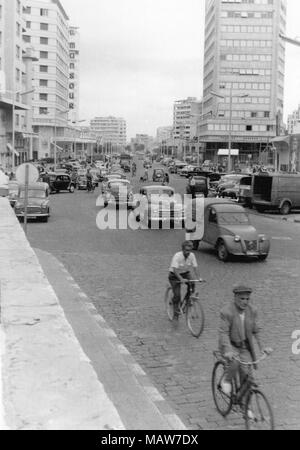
62 366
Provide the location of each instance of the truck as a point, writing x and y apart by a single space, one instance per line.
276 191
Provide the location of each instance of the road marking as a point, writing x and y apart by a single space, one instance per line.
282 238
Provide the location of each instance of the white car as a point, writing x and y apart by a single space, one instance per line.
159 205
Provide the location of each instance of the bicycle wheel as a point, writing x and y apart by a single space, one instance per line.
258 412
169 303
222 401
195 317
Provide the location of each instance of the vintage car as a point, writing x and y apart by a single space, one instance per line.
158 175
81 182
227 227
198 185
119 192
61 182
159 205
228 182
13 190
38 202
240 190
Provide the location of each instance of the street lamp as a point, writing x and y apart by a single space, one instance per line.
55 137
230 122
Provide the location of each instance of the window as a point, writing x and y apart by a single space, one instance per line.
44 12
43 55
44 97
248 127
43 82
44 26
27 38
44 40
43 111
28 24
43 68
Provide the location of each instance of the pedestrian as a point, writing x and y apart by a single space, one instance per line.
167 178
194 219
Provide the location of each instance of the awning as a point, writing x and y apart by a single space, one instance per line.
225 152
285 139
12 150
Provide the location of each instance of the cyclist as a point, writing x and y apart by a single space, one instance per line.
183 267
89 180
238 328
133 169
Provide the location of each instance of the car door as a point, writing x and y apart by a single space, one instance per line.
211 226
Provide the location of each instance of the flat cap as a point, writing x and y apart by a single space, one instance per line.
241 288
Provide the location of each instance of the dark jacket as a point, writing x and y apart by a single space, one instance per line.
230 331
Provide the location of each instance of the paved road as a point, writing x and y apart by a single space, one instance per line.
130 268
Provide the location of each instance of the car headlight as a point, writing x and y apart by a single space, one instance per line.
237 239
262 238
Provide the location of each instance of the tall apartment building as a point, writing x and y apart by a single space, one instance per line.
48 32
293 120
74 66
112 130
244 64
164 134
16 85
185 117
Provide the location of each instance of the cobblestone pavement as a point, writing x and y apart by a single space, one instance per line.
130 269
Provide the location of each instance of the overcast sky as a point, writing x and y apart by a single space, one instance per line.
138 56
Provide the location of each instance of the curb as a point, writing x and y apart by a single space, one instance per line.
160 403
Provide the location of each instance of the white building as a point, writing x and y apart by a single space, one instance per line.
48 32
164 134
244 64
74 69
294 122
111 130
186 115
16 74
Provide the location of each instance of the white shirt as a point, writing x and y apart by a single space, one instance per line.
183 264
242 316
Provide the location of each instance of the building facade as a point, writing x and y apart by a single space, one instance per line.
185 117
244 65
164 134
293 122
47 30
111 130
16 58
74 69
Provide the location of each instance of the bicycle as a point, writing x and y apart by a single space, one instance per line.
190 306
247 397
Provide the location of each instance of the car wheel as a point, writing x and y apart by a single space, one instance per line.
285 208
222 251
72 189
262 257
260 209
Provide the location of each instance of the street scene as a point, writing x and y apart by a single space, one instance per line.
149 274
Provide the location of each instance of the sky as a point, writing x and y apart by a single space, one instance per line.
139 56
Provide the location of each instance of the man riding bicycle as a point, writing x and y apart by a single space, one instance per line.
184 267
238 328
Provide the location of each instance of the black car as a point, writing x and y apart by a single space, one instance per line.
198 185
61 182
158 175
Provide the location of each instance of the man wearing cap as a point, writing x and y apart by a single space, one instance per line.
238 328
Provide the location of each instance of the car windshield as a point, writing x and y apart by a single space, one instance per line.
233 218
160 192
34 193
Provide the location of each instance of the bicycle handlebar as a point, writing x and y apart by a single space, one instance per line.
192 281
252 363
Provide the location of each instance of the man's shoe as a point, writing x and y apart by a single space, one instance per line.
226 387
250 414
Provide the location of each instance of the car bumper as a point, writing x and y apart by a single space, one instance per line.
33 216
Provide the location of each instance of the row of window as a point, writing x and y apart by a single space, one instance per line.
245 114
43 11
247 14
246 29
257 72
248 86
240 128
246 43
246 57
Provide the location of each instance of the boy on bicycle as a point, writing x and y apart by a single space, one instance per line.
184 267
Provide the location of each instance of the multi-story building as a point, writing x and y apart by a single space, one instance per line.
16 86
111 130
164 134
142 141
74 65
185 117
294 121
48 32
244 64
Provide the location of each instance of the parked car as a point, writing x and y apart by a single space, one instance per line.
38 202
276 191
184 172
234 190
119 192
244 192
198 186
228 229
159 205
13 191
227 182
61 182
158 176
